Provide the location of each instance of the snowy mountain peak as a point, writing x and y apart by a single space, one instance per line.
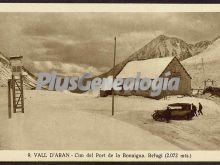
162 37
163 46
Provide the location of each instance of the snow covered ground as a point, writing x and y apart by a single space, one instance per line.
63 120
201 133
211 62
55 120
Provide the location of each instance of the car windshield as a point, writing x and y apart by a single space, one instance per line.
175 107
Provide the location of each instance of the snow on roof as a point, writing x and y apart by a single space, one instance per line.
150 68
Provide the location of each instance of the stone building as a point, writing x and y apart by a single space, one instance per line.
153 68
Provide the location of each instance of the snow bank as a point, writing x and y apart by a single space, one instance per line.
54 120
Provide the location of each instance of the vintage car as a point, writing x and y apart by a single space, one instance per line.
176 111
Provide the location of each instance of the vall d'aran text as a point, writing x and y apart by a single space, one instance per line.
115 155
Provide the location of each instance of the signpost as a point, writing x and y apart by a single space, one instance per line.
16 84
9 98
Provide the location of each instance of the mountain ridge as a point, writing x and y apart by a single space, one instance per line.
162 46
159 47
205 65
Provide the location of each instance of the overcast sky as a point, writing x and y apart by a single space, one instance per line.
72 43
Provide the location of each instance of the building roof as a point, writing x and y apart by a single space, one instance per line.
150 68
16 57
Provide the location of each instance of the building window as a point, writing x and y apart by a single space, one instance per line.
16 69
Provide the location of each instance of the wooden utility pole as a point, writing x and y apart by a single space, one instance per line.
113 103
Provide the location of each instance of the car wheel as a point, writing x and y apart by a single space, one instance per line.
155 116
188 117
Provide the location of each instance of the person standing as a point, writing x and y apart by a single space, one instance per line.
200 109
194 109
167 114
